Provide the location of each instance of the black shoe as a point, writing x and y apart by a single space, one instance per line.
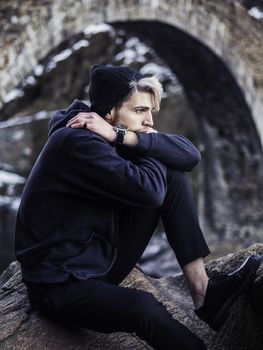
222 291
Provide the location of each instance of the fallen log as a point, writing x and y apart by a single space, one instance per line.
21 327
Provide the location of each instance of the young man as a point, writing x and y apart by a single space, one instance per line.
91 203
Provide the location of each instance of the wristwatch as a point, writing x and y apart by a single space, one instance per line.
121 131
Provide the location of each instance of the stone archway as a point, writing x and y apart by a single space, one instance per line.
29 31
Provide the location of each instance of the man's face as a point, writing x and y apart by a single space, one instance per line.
136 113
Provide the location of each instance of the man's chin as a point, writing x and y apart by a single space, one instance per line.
143 130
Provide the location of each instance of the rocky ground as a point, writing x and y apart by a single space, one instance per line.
23 328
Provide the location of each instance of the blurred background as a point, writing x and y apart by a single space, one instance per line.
208 56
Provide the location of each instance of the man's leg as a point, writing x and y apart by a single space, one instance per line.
184 234
105 307
213 297
136 226
197 280
101 305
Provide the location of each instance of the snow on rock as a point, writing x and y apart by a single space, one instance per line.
7 177
18 135
11 202
39 70
134 50
97 28
256 13
30 80
13 94
24 120
163 74
79 44
62 56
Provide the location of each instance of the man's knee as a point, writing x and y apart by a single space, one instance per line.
174 174
176 180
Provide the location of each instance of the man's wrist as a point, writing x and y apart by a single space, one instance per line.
121 130
130 139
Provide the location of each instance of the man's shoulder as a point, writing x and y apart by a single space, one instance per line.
70 136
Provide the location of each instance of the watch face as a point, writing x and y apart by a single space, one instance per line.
121 131
121 126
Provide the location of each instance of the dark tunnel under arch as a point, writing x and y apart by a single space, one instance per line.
232 164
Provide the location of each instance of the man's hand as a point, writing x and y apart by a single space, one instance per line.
93 122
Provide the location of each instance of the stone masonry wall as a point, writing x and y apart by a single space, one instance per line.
28 31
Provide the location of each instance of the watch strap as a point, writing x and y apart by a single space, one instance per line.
121 131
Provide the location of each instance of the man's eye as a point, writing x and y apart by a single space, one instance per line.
139 110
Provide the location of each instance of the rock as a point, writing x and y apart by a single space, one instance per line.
19 324
9 272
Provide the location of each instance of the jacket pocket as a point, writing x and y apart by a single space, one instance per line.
93 257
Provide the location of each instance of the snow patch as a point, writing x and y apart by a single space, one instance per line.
15 121
39 70
24 120
12 202
128 56
162 74
134 50
14 19
6 166
79 44
97 28
27 151
62 56
18 135
15 203
12 95
41 115
256 13
30 80
10 178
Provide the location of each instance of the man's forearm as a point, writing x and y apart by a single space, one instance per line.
173 150
130 139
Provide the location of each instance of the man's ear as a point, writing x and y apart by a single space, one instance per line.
109 117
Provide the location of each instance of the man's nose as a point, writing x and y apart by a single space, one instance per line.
148 120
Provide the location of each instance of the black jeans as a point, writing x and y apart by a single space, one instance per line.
104 306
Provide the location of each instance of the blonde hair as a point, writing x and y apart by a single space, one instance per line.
148 84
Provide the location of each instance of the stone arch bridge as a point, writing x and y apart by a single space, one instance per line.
215 49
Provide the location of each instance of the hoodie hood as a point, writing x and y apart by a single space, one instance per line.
61 117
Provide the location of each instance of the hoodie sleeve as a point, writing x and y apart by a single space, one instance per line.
96 171
173 150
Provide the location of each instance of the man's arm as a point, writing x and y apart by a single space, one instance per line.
95 170
173 150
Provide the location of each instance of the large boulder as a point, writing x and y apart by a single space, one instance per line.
23 328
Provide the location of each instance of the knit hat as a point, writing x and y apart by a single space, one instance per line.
109 85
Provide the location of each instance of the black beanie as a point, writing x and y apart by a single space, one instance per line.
109 85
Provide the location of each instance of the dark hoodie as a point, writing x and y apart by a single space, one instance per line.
67 219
